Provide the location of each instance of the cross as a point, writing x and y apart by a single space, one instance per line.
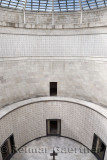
53 154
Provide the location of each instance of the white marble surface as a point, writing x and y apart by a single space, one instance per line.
67 150
100 109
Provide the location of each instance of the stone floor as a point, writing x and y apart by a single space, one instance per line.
65 148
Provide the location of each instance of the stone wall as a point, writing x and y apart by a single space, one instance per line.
14 18
81 78
16 42
77 122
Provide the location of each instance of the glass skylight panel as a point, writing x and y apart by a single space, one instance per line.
4 5
5 2
59 5
101 5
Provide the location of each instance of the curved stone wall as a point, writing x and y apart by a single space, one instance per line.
15 18
18 42
81 78
77 121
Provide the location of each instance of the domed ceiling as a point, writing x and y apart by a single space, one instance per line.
59 5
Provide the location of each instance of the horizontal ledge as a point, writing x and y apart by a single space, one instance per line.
97 108
54 32
49 26
52 58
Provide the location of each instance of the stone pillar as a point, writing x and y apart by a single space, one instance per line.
98 145
53 22
1 156
37 22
